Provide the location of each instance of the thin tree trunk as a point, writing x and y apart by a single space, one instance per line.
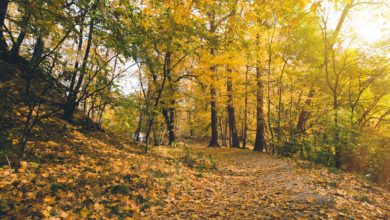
76 65
72 97
223 137
101 112
305 114
138 130
336 133
280 92
157 100
191 132
228 131
231 114
334 88
269 95
155 139
245 127
38 51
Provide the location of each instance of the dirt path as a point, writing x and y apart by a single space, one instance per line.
250 185
93 176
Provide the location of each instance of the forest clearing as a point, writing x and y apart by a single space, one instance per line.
194 109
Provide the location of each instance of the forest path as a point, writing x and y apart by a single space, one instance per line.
250 185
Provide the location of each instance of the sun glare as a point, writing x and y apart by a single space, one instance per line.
369 24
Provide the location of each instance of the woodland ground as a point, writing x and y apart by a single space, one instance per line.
72 174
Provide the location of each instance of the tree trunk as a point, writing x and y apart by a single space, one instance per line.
336 132
139 127
230 110
245 127
14 53
3 43
271 131
347 8
38 51
155 139
151 117
280 104
191 131
213 94
223 137
214 131
328 47
101 112
169 116
171 130
260 140
305 114
72 101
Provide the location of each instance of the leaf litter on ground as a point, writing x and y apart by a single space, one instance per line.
96 175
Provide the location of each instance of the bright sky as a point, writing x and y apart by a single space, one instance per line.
370 23
366 24
129 83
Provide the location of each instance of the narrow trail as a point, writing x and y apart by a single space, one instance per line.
93 176
250 185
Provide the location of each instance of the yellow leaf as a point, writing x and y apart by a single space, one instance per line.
127 208
97 206
31 195
49 199
314 6
84 212
63 214
143 176
46 211
185 198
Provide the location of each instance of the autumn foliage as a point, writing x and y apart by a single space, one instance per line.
107 106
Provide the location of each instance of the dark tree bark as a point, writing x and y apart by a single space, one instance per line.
214 128
14 53
245 127
38 51
167 71
214 23
336 134
101 111
191 131
213 94
304 115
169 111
72 101
169 116
280 104
260 140
214 115
221 128
152 117
231 114
3 43
155 131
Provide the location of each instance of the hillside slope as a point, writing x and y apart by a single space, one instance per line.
75 175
